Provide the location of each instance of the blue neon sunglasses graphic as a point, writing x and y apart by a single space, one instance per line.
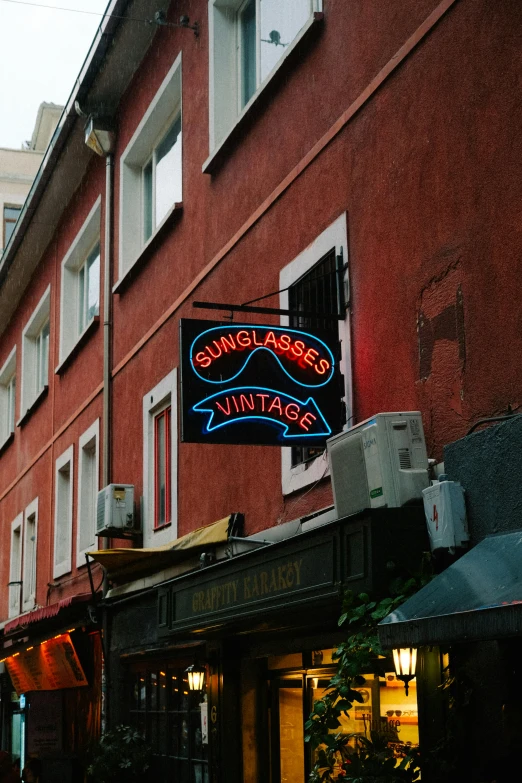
276 329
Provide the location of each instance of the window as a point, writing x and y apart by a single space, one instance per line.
63 513
248 40
80 289
29 559
15 568
162 179
312 283
151 170
160 463
35 354
162 468
10 217
88 472
168 714
7 397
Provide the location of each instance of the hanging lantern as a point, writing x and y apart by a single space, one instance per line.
405 662
196 677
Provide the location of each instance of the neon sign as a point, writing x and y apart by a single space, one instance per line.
246 383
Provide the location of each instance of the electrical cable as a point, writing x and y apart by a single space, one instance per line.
78 11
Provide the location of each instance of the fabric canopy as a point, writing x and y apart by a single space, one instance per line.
153 558
477 598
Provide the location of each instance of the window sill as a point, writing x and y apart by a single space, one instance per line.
91 327
33 406
162 527
237 131
303 475
7 442
145 252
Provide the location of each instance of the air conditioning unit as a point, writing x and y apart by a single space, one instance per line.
445 509
115 511
380 462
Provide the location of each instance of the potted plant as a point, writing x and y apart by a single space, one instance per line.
121 756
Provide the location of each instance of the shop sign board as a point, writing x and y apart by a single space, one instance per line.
293 576
258 384
49 666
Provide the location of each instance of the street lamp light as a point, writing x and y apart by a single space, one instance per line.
405 662
196 677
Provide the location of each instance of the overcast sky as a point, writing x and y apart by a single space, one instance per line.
41 53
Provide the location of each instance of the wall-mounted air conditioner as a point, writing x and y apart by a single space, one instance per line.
115 511
380 462
445 509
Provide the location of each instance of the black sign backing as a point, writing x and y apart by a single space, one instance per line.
258 384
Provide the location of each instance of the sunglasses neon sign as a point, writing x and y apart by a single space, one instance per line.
251 383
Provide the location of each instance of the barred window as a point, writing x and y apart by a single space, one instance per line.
317 291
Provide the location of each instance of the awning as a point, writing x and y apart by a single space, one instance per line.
45 612
137 560
477 598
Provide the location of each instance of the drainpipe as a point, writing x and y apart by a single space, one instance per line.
100 137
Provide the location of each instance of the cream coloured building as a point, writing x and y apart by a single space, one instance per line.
18 168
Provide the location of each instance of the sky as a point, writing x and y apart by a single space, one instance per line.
41 53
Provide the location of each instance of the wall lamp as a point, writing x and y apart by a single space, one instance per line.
405 662
196 677
99 135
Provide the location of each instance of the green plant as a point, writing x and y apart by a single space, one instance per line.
354 758
121 756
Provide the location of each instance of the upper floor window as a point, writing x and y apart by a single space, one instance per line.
7 397
316 281
248 40
10 217
30 549
162 179
88 461
151 171
80 289
160 463
162 483
35 353
63 513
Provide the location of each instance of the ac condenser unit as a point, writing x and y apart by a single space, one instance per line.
380 462
115 511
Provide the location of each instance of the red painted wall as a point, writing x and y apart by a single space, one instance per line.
428 173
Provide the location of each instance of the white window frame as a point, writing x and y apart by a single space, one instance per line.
294 478
30 559
163 110
224 80
88 440
63 530
15 568
7 397
155 401
74 260
30 335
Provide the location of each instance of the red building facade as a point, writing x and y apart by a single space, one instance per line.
246 152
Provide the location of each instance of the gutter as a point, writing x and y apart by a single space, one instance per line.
83 84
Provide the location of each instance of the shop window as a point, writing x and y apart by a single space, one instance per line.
385 709
7 397
248 41
317 282
11 215
35 353
87 491
151 170
169 716
80 289
63 513
160 463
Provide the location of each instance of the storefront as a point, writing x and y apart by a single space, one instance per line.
52 661
263 627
